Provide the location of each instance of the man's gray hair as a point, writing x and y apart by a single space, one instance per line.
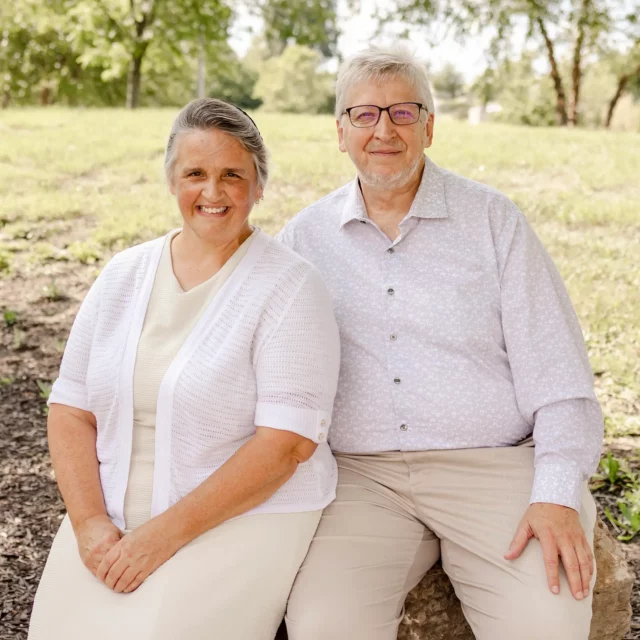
209 113
380 64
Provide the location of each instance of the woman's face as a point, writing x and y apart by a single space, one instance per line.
215 183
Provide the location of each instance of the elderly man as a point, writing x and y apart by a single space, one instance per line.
465 424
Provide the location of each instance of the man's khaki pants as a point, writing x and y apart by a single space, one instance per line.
396 513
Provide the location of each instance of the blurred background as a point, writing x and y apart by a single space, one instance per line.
538 98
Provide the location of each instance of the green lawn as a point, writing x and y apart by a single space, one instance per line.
76 185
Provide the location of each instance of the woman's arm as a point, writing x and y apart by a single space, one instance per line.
72 443
251 476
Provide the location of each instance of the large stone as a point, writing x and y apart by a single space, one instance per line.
432 611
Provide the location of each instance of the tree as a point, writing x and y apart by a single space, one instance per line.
449 82
553 22
311 23
291 83
118 34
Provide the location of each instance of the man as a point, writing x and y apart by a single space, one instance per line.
460 352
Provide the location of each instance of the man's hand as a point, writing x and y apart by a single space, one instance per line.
560 533
136 556
96 536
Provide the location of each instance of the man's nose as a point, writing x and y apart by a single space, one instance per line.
384 128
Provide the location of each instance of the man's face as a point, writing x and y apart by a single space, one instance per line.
386 155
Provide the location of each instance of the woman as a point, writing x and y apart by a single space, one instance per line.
196 387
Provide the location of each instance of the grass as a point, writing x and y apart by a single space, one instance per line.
78 184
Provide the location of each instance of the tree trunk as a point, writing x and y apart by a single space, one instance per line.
561 100
622 85
6 98
134 80
201 71
576 72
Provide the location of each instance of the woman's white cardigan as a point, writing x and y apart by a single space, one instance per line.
265 352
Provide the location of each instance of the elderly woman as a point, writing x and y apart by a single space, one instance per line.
195 390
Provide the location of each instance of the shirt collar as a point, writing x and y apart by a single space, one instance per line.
429 201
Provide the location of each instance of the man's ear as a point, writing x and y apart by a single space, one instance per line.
340 129
429 129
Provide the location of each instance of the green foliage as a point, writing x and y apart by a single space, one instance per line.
292 83
82 52
525 97
45 392
448 82
52 292
312 23
5 262
616 477
10 317
231 80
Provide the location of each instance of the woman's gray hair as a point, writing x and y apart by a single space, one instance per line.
210 113
379 64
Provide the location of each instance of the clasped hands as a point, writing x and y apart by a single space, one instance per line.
122 562
561 537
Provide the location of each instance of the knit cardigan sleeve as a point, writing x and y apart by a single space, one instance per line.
70 388
297 367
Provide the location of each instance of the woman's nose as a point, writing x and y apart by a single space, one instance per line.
211 189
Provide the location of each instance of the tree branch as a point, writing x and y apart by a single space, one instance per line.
561 109
576 71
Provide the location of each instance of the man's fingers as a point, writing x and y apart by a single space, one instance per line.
519 542
587 548
585 567
551 562
572 568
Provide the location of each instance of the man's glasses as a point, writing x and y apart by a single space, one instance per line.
367 115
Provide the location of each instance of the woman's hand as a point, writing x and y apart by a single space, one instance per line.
96 536
136 556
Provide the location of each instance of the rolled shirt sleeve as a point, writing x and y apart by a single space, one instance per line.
550 367
298 364
70 388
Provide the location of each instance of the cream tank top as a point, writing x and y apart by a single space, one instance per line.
171 315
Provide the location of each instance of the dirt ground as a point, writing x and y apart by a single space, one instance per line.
30 506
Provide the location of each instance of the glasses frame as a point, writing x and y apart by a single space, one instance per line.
387 109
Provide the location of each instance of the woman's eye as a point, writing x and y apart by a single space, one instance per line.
195 173
230 174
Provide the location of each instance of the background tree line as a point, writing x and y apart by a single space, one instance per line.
163 52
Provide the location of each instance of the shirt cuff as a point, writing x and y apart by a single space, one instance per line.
309 423
73 394
558 484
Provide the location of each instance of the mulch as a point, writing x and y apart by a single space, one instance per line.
30 506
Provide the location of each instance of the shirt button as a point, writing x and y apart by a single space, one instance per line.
393 336
403 427
397 380
321 437
390 291
391 250
323 422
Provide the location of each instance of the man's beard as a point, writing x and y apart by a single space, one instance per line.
393 181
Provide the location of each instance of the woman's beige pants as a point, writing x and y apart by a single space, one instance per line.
396 513
230 583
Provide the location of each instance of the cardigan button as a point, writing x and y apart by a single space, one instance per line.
323 423
321 437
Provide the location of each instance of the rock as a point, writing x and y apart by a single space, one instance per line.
432 611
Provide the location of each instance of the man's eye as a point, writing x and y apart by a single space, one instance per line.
195 173
230 174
